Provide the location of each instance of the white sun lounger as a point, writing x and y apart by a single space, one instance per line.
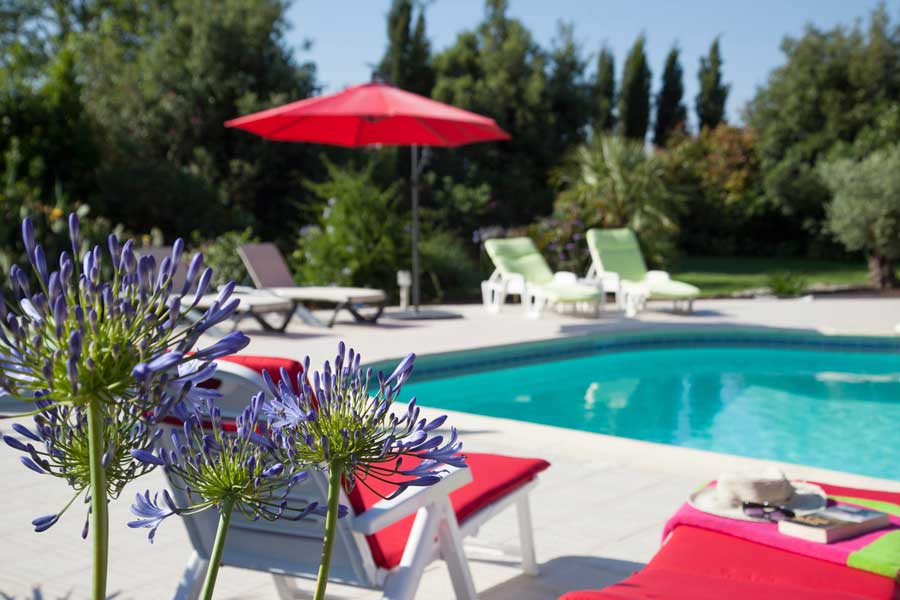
271 275
256 306
291 550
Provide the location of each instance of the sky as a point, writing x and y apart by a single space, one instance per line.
348 36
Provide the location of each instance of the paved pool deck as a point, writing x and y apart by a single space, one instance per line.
598 511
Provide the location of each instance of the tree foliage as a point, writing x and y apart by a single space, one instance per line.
407 60
499 70
713 91
634 94
671 114
604 91
615 182
836 95
864 213
357 237
716 180
137 92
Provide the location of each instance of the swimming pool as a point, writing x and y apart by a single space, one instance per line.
828 403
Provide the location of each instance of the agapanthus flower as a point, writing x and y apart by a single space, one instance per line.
72 334
344 417
83 339
57 445
222 465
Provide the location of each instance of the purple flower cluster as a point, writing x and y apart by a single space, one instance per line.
57 445
220 466
343 418
72 335
108 334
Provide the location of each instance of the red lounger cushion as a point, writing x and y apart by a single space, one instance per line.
697 564
493 476
267 363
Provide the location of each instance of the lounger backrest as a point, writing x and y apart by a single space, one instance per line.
617 251
266 265
519 256
289 547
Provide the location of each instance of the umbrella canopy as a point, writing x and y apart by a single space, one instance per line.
375 114
369 114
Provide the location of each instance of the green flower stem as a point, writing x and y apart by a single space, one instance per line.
99 507
334 494
218 547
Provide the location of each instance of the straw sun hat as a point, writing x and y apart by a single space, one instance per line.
770 485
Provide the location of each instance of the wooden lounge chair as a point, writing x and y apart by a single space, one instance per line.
382 544
700 564
521 270
256 306
271 275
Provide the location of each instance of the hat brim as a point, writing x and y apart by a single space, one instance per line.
808 498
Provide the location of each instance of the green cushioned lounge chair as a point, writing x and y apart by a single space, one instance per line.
521 270
619 264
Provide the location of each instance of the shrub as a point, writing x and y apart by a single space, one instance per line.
611 182
717 180
786 284
864 213
358 238
221 254
448 270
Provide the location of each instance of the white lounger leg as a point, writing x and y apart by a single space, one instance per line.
192 578
526 535
402 582
534 302
451 546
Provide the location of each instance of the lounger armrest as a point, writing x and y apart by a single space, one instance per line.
565 277
245 289
657 276
514 282
253 291
387 512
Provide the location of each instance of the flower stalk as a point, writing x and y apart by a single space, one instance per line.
99 503
343 418
331 517
215 558
96 346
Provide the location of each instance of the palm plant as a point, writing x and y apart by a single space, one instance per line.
615 182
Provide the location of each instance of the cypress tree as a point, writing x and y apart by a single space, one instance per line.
671 113
407 59
421 73
604 100
713 92
634 95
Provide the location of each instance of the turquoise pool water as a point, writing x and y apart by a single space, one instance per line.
837 410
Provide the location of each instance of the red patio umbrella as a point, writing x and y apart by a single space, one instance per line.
375 114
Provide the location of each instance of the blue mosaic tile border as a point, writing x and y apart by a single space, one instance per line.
485 359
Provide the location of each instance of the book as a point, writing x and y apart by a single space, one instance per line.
834 523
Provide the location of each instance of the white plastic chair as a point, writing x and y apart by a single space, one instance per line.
290 550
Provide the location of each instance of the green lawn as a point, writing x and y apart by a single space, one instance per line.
722 276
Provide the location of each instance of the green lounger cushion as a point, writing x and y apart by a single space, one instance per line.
570 292
618 251
671 289
520 256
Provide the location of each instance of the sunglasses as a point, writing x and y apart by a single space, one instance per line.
767 511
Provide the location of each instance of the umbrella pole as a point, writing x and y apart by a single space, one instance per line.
414 152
